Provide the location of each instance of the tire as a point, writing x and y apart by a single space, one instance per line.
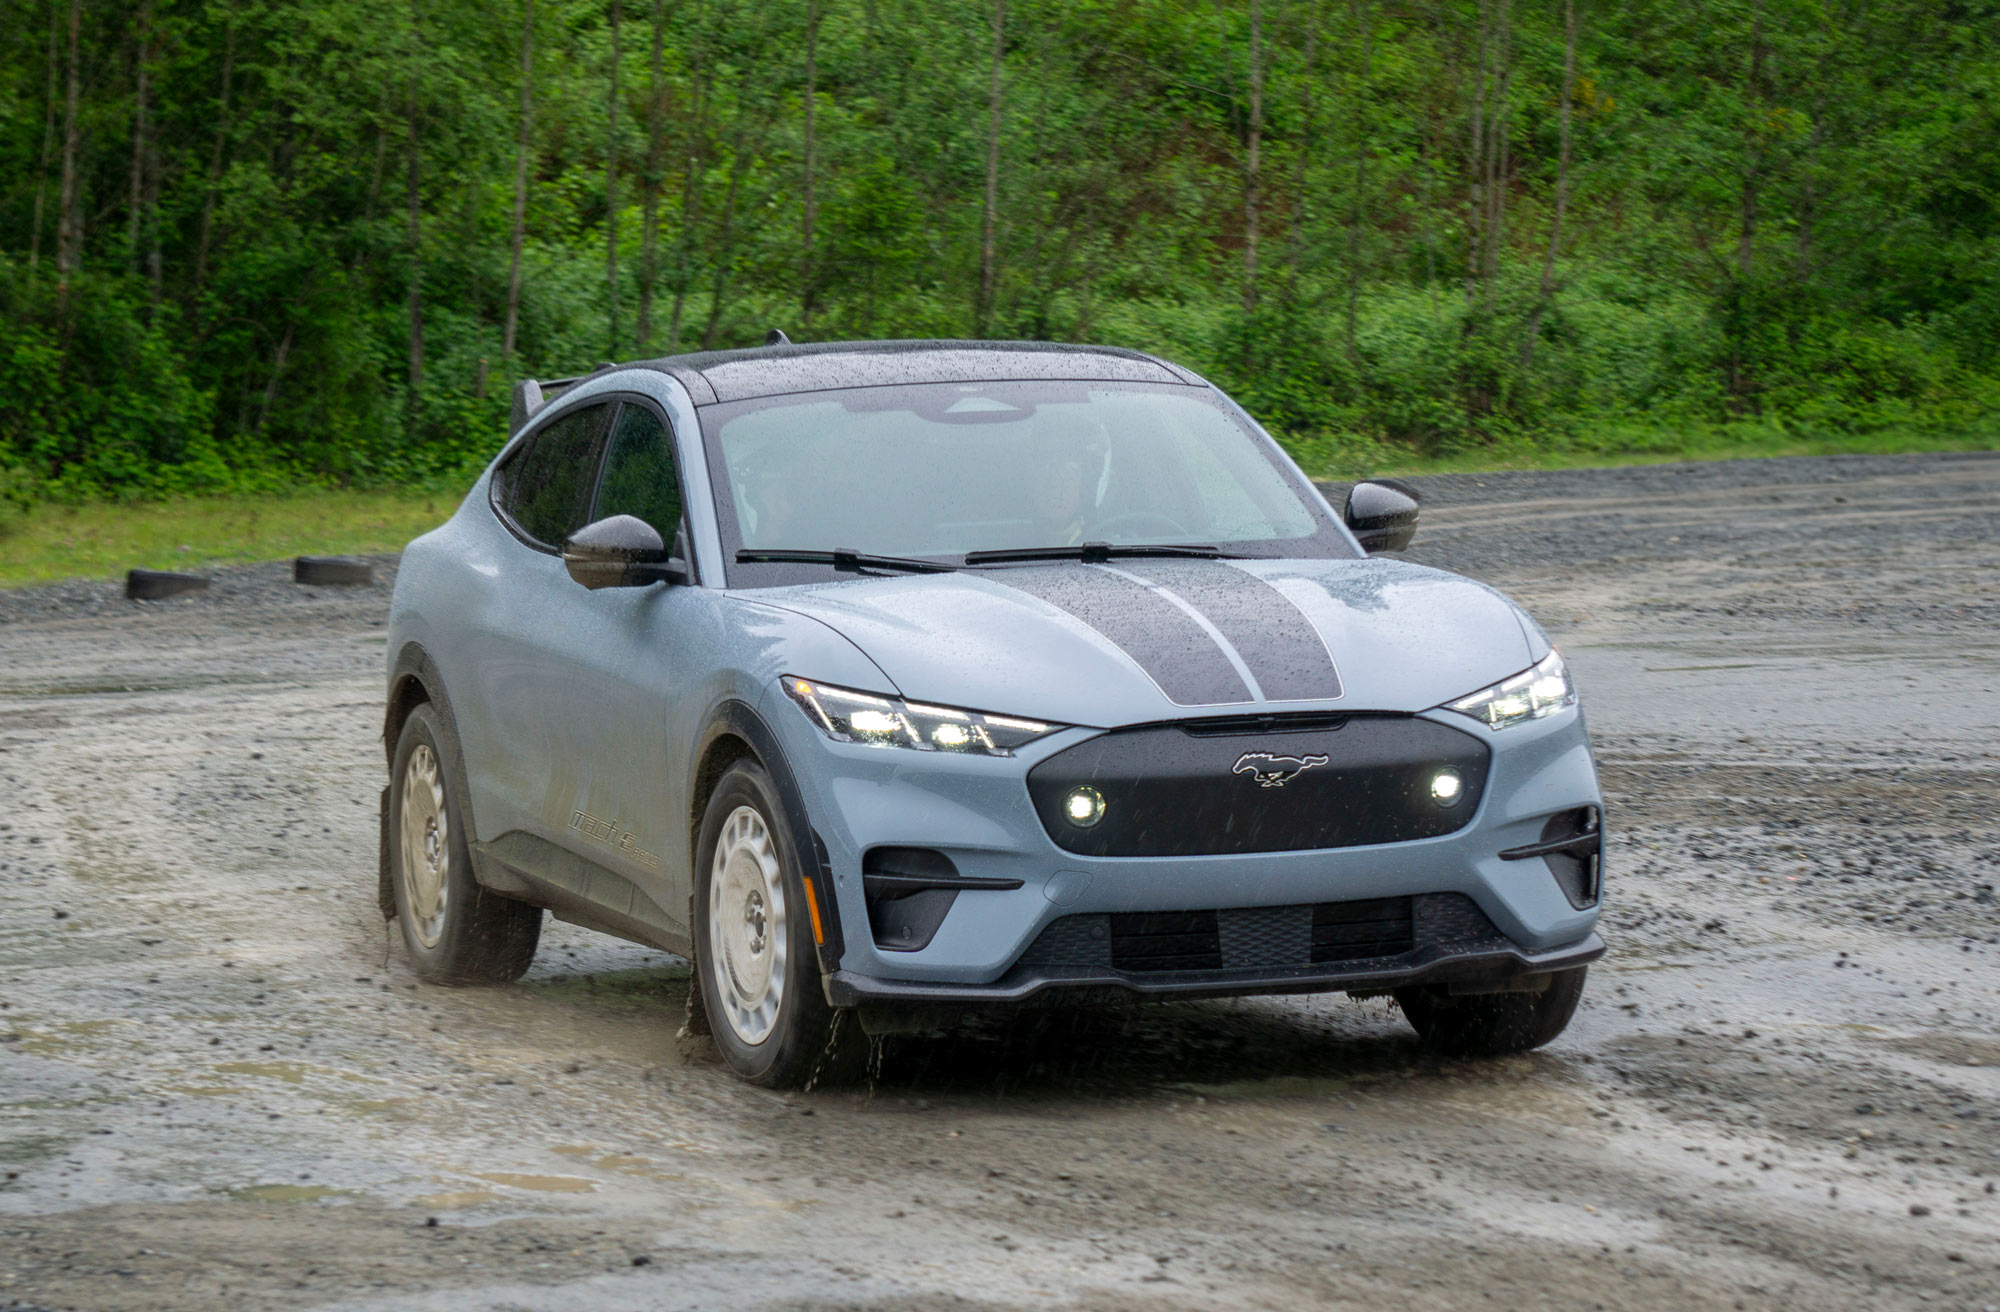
754 952
1492 1024
331 571
158 585
456 932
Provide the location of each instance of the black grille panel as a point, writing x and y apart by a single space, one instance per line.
1165 940
1265 938
1185 790
1359 931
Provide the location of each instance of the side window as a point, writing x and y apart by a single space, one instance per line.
546 488
639 477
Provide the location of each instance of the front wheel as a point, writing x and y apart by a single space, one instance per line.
755 955
1492 1024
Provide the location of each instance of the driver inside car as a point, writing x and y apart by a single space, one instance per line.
1072 465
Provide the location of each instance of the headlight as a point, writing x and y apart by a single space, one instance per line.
1543 689
860 717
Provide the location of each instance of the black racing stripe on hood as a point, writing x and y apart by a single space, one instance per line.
1177 653
1274 638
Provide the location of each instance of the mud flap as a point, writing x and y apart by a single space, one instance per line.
695 1024
385 892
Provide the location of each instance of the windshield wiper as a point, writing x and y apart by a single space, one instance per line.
1092 552
844 558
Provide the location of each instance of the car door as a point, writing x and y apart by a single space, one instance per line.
611 692
541 494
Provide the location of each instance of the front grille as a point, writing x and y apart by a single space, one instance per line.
1165 940
1165 943
1269 784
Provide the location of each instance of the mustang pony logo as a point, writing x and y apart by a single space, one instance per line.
1274 771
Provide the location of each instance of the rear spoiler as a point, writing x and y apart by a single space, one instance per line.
530 395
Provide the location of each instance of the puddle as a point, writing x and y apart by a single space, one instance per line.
1953 1049
291 1072
380 1106
654 987
622 1163
456 1200
288 1193
541 1184
1282 1086
112 687
63 1037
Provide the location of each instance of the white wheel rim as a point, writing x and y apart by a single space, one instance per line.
747 925
426 837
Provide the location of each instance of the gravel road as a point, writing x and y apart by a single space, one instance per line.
220 1085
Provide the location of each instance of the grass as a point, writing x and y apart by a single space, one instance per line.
1342 462
104 539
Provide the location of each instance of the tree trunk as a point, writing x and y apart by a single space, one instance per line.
1498 161
982 312
649 237
48 138
696 157
1301 184
215 160
1804 231
1475 156
611 186
723 258
69 213
806 270
1254 144
277 372
1362 16
518 233
1740 372
1548 288
415 235
141 91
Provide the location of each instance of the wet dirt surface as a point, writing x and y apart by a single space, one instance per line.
220 1085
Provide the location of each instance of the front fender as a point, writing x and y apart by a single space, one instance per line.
414 679
737 719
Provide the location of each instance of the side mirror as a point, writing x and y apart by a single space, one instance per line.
1382 514
621 552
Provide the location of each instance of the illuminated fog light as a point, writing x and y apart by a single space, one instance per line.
1446 787
1083 807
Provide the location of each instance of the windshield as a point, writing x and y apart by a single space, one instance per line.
939 470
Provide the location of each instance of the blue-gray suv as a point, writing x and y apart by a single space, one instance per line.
918 678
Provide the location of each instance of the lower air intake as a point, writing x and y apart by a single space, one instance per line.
1142 942
1358 931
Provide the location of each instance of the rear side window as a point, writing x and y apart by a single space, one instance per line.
639 477
545 489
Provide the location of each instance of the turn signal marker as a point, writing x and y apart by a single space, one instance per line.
812 909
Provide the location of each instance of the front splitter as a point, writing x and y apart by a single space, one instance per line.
1080 984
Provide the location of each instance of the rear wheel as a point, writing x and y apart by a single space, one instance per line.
456 931
1491 1024
755 956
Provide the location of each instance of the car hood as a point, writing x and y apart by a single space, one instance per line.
1148 639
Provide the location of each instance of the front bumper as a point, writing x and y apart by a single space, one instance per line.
990 946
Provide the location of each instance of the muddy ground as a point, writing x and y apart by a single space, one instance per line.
220 1086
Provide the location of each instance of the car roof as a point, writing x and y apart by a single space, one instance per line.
719 376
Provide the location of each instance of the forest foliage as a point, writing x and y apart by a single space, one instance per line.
252 243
